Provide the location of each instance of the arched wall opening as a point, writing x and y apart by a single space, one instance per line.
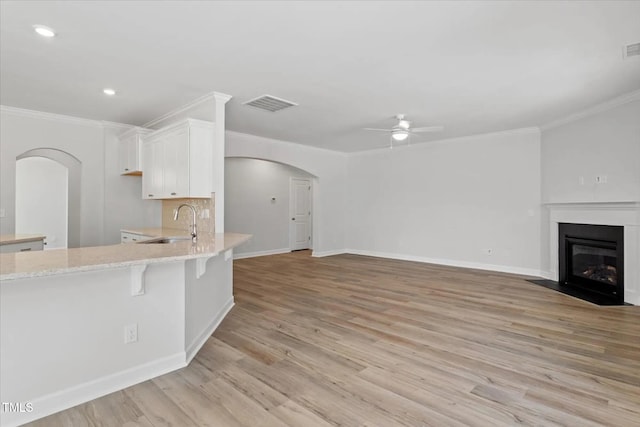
260 199
42 200
74 181
330 189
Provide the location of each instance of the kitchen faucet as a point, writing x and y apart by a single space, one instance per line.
194 232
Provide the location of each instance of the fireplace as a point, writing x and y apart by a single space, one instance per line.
591 259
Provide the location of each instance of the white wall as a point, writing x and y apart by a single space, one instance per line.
63 335
41 200
450 202
603 142
208 299
108 201
249 186
607 143
22 131
329 192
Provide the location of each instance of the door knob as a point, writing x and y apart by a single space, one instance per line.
293 219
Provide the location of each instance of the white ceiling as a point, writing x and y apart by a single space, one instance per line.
473 67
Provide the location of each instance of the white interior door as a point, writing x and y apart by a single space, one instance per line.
42 200
300 212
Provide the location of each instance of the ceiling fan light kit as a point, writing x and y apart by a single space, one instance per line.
399 134
401 131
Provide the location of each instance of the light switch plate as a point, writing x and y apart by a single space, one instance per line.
2 213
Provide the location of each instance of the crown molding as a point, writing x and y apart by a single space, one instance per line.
49 116
533 130
131 130
217 96
181 123
293 145
118 126
62 118
519 131
596 109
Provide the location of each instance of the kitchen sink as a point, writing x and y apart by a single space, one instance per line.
162 240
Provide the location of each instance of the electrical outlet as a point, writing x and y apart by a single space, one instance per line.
2 213
489 252
601 179
204 214
131 333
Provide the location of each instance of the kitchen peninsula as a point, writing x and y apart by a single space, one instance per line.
80 323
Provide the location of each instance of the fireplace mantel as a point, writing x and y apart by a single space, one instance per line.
625 213
625 205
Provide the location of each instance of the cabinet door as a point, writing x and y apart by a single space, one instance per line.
152 174
147 182
133 154
126 237
129 155
123 156
176 164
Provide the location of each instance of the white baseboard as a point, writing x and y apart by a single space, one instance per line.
449 262
261 253
549 275
67 398
439 261
203 336
319 254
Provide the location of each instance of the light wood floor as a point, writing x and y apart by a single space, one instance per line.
357 341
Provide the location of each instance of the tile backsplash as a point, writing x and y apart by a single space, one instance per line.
205 225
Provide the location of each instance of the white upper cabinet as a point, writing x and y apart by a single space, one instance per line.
177 161
152 179
129 158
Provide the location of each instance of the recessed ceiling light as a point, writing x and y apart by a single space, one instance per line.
108 91
44 31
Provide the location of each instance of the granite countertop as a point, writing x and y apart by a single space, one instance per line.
60 261
8 239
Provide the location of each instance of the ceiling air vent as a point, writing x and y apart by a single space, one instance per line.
632 50
270 103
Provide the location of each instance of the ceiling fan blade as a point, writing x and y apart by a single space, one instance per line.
378 130
427 129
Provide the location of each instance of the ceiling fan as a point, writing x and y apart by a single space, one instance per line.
403 129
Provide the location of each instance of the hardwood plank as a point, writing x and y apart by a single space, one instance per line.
293 414
158 406
361 341
113 410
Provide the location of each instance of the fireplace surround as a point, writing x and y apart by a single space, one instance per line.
623 214
591 259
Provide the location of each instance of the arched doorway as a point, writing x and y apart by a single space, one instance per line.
42 200
272 201
40 186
